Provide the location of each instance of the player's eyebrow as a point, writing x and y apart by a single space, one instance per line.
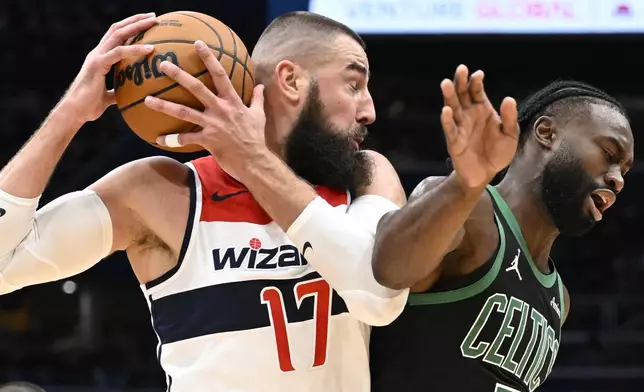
355 66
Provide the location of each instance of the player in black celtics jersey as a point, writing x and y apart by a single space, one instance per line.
488 303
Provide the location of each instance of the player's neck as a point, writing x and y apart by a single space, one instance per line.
523 196
272 128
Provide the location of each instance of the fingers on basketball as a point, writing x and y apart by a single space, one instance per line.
117 25
176 110
122 34
220 79
257 102
122 52
177 36
177 140
110 97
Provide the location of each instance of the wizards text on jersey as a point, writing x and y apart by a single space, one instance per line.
255 257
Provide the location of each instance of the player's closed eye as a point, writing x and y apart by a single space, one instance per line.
610 156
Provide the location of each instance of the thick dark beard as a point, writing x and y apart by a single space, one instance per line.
323 155
565 186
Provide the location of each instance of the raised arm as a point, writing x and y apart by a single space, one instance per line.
40 246
412 242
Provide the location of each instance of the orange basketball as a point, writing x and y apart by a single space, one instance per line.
173 37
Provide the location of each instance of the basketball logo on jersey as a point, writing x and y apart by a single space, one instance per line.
254 256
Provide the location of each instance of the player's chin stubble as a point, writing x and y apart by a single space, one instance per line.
323 155
565 186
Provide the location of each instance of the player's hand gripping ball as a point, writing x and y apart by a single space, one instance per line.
173 37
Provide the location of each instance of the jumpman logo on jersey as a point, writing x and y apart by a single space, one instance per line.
515 264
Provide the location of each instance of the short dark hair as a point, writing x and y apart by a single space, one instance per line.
302 37
313 21
561 99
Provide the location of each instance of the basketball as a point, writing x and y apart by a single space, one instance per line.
173 37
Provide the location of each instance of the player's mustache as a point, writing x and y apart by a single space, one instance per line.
360 132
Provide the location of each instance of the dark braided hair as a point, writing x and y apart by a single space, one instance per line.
560 99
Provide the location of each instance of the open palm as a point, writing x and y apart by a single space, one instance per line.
480 142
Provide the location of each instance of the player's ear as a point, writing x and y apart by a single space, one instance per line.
545 131
289 80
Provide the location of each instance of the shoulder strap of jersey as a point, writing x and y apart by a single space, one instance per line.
546 280
561 298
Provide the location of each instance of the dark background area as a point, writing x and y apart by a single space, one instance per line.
99 337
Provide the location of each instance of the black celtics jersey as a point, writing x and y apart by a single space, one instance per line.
495 330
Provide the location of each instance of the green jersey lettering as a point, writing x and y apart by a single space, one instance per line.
509 364
505 331
537 322
541 345
468 350
546 347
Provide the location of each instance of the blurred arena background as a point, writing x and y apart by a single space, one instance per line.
93 333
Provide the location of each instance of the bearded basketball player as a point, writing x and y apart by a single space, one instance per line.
488 304
255 279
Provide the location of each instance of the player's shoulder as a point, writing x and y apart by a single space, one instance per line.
431 182
382 167
384 180
377 157
153 174
484 208
425 185
156 169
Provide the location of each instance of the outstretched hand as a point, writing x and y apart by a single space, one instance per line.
480 142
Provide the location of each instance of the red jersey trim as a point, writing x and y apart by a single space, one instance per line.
233 203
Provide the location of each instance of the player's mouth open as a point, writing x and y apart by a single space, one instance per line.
599 201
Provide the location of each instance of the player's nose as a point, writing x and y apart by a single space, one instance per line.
366 113
614 180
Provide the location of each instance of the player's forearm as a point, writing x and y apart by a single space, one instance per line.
23 180
277 189
336 243
412 242
27 174
339 245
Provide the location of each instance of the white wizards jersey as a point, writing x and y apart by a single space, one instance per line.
243 310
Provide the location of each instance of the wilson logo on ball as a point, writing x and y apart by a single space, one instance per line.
173 38
144 69
138 37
